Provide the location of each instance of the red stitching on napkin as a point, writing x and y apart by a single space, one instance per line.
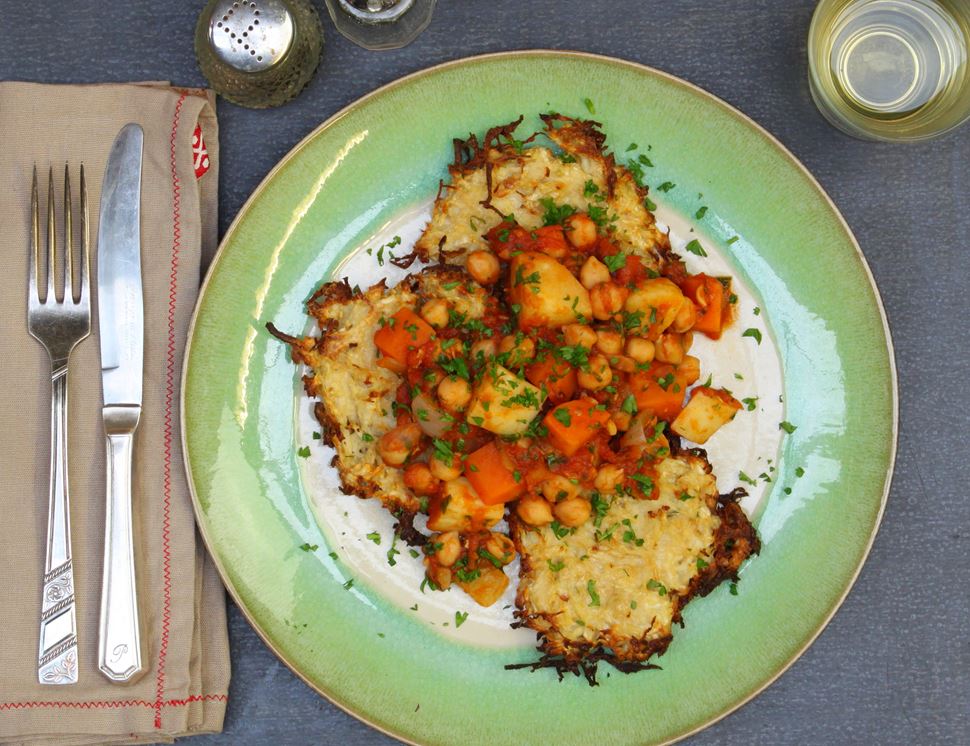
169 396
114 704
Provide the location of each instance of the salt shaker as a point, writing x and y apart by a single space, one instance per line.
258 53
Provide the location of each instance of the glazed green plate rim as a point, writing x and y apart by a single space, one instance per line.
523 56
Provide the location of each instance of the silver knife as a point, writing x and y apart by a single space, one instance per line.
121 326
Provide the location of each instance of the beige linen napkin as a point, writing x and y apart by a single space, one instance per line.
181 601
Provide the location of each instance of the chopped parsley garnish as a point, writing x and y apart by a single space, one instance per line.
555 566
590 188
645 161
588 103
757 311
650 204
745 478
733 588
393 551
629 405
701 564
787 427
316 436
799 471
631 146
656 585
665 381
349 584
367 437
750 402
666 186
753 333
460 617
303 452
600 506
594 598
442 451
374 537
701 212
644 482
309 547
555 214
694 247
576 355
559 530
455 367
563 416
615 262
732 239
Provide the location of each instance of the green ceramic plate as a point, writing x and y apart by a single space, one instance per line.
380 157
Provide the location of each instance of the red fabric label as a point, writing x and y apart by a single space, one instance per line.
200 156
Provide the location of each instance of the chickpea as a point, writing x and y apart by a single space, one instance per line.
483 266
579 335
622 420
487 348
450 549
435 312
501 548
572 512
558 487
593 273
521 349
598 376
609 342
607 299
690 369
396 445
623 363
444 471
687 340
608 477
533 510
419 479
611 428
581 231
454 394
686 316
670 348
640 349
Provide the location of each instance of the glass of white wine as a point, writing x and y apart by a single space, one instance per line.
891 69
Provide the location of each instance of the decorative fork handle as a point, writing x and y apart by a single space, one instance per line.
57 661
119 643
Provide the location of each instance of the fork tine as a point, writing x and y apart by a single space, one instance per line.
34 261
51 239
70 292
85 243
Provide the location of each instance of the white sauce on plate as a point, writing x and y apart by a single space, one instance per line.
749 445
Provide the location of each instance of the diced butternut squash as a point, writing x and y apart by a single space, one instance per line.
503 403
493 475
573 424
659 389
459 508
652 306
487 587
545 292
403 332
556 377
711 299
706 412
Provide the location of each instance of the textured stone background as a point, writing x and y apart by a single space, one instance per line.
893 666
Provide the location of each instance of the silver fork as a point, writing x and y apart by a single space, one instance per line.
58 323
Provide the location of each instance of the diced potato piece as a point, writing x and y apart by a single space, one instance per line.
488 587
707 410
503 403
658 301
547 293
461 509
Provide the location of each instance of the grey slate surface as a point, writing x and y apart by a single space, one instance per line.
893 667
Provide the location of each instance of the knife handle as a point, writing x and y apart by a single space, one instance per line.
119 643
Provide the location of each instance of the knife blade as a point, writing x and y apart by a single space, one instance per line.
121 328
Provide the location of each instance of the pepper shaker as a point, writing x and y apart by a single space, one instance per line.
258 53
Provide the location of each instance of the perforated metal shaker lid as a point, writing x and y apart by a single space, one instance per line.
250 35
